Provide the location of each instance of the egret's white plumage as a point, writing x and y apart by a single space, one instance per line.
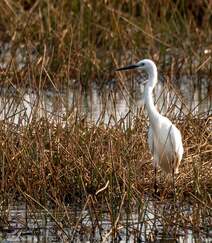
164 139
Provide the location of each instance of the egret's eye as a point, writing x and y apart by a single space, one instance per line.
142 64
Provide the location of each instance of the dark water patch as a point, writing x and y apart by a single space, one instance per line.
110 103
154 222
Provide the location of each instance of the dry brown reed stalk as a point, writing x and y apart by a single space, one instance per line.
81 158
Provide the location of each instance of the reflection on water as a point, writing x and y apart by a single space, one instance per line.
25 225
109 104
192 95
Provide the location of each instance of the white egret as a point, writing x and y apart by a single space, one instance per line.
164 139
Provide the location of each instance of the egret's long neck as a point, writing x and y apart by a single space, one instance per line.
148 97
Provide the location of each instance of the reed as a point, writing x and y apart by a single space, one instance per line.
82 158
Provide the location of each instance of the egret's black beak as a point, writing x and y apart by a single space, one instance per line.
132 66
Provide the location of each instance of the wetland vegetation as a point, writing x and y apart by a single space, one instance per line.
72 165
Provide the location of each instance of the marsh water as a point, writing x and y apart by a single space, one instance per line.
109 104
107 101
141 225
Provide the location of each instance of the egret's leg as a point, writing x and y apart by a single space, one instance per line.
155 164
155 182
174 187
173 181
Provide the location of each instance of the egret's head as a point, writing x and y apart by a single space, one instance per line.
145 64
148 66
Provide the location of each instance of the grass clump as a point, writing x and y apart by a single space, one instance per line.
81 158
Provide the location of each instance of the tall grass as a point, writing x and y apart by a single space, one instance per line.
81 158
